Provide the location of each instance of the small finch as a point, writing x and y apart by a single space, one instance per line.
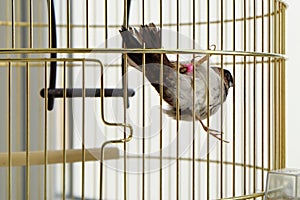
149 37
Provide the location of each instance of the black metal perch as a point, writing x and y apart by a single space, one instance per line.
89 92
54 92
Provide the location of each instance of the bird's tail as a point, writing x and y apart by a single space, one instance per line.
149 37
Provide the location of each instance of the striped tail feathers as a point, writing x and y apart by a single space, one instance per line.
148 35
135 59
151 36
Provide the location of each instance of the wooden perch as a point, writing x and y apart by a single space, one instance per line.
55 157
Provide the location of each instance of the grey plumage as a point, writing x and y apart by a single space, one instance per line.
149 37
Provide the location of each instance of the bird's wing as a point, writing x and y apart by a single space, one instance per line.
186 93
212 81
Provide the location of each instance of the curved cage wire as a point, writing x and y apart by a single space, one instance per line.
78 121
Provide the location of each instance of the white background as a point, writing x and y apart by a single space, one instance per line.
293 81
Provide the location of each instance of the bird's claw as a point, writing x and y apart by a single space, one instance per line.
216 134
212 132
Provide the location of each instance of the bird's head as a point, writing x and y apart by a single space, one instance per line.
228 78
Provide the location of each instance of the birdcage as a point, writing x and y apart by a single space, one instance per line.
78 122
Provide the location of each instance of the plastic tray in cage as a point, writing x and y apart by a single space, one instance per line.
283 184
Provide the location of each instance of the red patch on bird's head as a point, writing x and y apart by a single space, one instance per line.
189 67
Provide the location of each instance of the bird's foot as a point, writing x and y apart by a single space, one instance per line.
212 132
217 135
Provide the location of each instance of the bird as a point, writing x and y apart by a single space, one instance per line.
213 82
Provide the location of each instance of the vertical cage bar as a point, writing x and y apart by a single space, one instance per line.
254 97
177 102
101 166
160 107
194 101
234 101
143 106
125 122
9 132
221 109
125 100
279 85
64 133
125 23
30 24
27 132
49 23
278 82
45 132
262 97
105 23
143 12
207 106
161 127
87 23
275 74
283 85
83 134
177 131
68 23
269 86
245 103
280 88
143 124
13 25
